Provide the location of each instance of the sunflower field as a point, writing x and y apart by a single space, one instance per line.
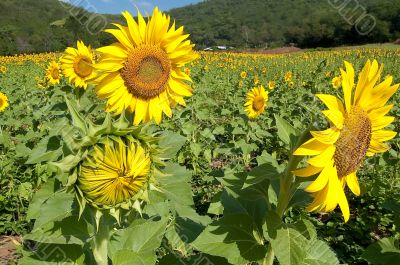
148 152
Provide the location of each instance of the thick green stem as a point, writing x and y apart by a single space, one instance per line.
100 245
286 192
269 259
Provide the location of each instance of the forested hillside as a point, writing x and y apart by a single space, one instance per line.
51 25
47 25
306 23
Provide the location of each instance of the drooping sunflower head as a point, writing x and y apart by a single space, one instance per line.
77 65
144 71
53 73
115 171
3 102
256 101
357 130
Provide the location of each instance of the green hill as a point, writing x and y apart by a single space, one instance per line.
47 25
51 25
306 23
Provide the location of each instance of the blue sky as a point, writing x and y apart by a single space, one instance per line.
117 6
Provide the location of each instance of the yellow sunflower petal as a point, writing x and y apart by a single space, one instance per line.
383 135
377 147
329 136
322 180
332 102
352 183
336 117
324 158
310 148
307 172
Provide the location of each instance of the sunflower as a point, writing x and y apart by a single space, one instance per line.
288 77
3 69
243 74
256 80
114 172
142 72
271 85
337 82
187 71
3 102
357 130
77 65
256 101
53 73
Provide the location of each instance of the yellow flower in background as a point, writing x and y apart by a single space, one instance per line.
41 82
77 65
337 82
291 84
271 85
288 77
53 73
3 69
142 71
256 101
243 74
114 172
240 83
256 80
3 102
264 70
357 130
187 71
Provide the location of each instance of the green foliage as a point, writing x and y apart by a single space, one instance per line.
386 251
233 164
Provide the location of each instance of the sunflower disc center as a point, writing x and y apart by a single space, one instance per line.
83 67
146 72
55 74
258 103
353 142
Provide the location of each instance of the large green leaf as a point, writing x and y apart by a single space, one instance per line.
77 119
384 252
199 259
67 231
138 242
174 183
297 244
52 254
182 233
170 143
286 132
261 173
129 257
48 149
234 237
39 198
57 207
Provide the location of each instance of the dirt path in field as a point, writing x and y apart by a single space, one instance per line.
8 246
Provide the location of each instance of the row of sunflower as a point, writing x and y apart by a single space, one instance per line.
117 197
